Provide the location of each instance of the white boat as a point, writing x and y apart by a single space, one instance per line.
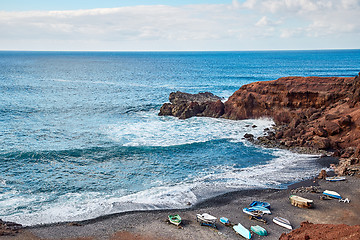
240 229
253 212
335 179
206 219
262 209
282 222
332 194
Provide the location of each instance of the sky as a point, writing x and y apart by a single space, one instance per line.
174 25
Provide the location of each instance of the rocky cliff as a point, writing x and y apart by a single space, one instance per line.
311 112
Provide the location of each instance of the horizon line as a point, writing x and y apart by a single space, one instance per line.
250 50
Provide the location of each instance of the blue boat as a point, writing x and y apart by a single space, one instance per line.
253 212
225 221
261 204
260 208
332 194
240 229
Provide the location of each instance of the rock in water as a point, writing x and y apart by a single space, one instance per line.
186 105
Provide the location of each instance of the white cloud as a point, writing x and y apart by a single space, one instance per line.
312 18
191 27
265 22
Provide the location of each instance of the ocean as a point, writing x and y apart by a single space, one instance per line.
81 138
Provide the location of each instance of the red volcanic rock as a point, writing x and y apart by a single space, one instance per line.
279 98
316 112
312 112
321 142
213 109
323 231
345 121
332 128
320 131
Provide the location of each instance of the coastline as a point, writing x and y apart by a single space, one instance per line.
152 224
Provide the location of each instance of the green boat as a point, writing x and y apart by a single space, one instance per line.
175 219
259 230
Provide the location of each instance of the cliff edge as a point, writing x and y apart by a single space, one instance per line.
320 113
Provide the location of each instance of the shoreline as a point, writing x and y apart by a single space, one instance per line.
151 224
322 161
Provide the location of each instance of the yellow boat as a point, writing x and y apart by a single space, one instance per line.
301 202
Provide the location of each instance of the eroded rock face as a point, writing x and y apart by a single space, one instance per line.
281 98
310 112
186 105
314 112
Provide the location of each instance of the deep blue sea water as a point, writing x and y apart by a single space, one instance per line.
80 136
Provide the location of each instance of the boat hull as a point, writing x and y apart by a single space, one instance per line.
262 209
261 204
335 179
259 230
282 222
332 194
301 202
175 219
240 229
225 221
206 219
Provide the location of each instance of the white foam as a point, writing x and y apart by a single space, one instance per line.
77 207
153 130
210 182
283 169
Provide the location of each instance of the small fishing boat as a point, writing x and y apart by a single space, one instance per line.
253 212
282 222
264 210
301 202
175 219
225 221
261 204
259 230
206 219
240 229
335 179
332 194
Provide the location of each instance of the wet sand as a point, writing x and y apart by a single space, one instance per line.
153 224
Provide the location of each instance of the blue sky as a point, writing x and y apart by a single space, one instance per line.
187 25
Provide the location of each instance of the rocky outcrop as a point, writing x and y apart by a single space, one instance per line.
316 113
320 113
323 231
186 105
281 98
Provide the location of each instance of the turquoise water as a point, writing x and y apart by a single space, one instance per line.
80 136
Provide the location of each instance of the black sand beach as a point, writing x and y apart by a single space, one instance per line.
153 225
